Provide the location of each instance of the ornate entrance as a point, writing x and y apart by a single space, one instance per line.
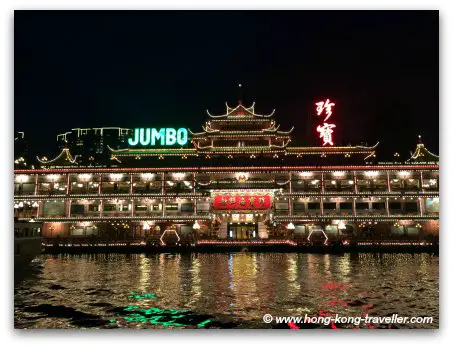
239 231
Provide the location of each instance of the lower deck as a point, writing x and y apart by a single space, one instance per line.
257 229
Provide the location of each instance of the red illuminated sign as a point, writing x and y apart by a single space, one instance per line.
324 106
325 130
242 202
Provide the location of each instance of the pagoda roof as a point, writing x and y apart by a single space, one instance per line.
309 150
240 111
223 133
422 155
151 151
240 149
333 150
63 159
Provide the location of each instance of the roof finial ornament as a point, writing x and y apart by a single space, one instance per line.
419 138
240 94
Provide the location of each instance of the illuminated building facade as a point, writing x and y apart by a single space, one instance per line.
91 145
237 180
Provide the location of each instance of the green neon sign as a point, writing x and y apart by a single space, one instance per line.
162 136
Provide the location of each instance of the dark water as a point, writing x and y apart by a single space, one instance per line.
223 290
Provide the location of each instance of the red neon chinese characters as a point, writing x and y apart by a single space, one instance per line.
325 132
324 106
242 202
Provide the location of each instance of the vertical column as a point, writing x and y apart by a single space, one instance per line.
101 203
36 185
356 188
322 183
290 198
100 184
321 199
420 206
387 210
421 182
194 193
67 184
38 210
131 191
163 195
389 187
68 201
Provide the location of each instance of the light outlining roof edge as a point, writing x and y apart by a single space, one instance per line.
72 160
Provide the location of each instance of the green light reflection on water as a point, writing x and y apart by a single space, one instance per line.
164 317
159 316
142 296
202 324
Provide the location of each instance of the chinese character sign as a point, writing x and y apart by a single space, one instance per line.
242 202
325 132
324 108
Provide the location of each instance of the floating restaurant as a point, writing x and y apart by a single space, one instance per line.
238 181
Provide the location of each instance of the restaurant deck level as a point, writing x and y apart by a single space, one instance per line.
237 182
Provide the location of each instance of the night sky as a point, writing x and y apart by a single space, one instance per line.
156 68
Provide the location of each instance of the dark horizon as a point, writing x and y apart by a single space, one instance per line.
165 68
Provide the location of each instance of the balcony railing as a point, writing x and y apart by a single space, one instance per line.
148 213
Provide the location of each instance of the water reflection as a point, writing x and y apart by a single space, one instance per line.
222 290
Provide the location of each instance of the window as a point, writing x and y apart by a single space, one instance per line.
345 205
108 208
156 207
203 207
281 206
93 208
432 204
361 206
187 207
314 206
299 206
378 205
411 207
77 209
53 208
395 205
330 206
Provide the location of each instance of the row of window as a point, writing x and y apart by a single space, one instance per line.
300 206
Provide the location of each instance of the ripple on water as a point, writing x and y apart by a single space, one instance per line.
223 290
